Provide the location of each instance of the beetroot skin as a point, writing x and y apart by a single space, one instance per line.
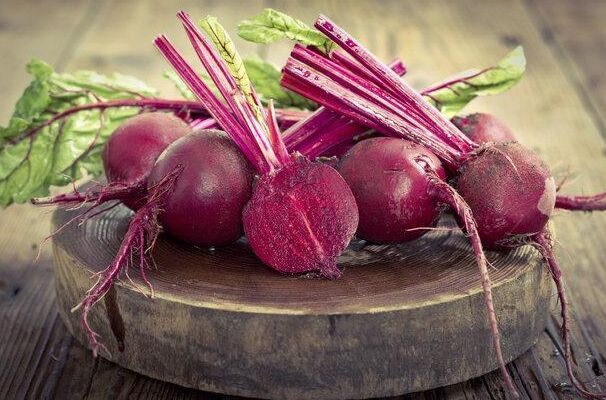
205 207
510 191
391 188
131 151
484 128
301 218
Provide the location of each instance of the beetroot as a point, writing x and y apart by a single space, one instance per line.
132 150
205 205
518 193
484 128
128 157
389 181
301 218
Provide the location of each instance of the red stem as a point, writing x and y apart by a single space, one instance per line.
450 82
436 122
141 103
302 79
325 128
595 202
543 243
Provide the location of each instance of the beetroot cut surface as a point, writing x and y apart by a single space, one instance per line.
301 218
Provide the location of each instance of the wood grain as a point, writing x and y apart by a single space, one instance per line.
549 111
382 329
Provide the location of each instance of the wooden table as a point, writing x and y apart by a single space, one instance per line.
558 109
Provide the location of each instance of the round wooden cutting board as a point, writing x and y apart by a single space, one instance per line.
401 318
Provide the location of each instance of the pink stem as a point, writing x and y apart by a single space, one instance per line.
218 110
321 128
582 203
438 123
543 243
161 104
274 134
204 123
341 131
224 81
454 81
302 79
446 194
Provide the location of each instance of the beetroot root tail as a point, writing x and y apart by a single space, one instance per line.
543 243
142 232
96 194
446 194
595 202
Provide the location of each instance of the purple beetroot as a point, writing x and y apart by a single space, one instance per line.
484 128
206 202
388 179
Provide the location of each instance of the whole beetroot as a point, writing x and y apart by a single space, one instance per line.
518 193
393 194
484 128
205 204
131 151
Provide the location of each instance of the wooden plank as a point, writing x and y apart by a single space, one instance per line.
577 38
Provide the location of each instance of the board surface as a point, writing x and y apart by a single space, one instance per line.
401 319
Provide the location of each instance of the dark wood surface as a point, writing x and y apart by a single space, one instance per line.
557 109
220 320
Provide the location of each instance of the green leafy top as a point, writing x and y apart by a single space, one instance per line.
227 50
271 25
452 95
266 79
36 153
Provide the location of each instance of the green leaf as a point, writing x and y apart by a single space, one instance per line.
454 94
184 89
271 25
227 50
35 154
266 79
